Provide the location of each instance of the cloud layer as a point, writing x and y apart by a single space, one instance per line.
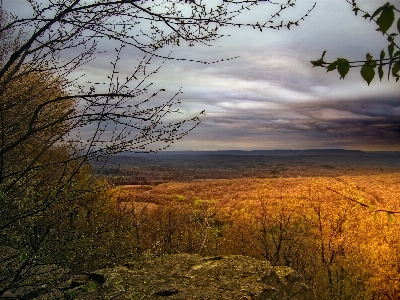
270 97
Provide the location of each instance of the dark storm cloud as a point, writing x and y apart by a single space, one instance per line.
368 123
363 120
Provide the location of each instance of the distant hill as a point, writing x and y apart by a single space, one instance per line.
139 168
256 152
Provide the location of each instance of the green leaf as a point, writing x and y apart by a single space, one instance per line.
366 16
372 63
332 66
320 62
367 72
396 68
368 56
317 63
343 67
382 56
380 72
396 54
376 12
398 25
386 18
391 49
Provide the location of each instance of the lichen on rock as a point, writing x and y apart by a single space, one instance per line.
186 276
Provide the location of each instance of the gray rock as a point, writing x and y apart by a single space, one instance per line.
8 295
192 277
79 280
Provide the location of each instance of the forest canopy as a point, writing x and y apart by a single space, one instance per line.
60 218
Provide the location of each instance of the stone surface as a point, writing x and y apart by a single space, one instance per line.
8 295
185 277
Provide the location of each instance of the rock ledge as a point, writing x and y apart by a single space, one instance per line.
186 276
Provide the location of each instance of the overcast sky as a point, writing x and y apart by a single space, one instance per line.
270 97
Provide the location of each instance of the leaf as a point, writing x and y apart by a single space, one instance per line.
368 56
398 25
332 66
367 72
320 62
375 216
317 63
376 12
391 49
380 72
386 18
366 16
383 54
395 69
343 67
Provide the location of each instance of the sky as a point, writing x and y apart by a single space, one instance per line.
270 97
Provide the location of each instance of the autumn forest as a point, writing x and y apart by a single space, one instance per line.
338 231
116 120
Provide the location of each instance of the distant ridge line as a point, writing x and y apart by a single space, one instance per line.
278 152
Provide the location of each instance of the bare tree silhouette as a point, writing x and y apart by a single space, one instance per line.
53 122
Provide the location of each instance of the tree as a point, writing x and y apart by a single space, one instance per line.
384 17
51 204
60 27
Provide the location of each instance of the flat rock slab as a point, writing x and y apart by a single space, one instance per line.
186 276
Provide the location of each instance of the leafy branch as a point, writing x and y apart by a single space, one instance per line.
384 17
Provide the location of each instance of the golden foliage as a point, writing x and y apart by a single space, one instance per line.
342 249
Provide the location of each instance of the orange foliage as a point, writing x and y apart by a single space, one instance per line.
340 248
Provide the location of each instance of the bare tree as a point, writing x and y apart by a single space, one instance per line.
47 193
